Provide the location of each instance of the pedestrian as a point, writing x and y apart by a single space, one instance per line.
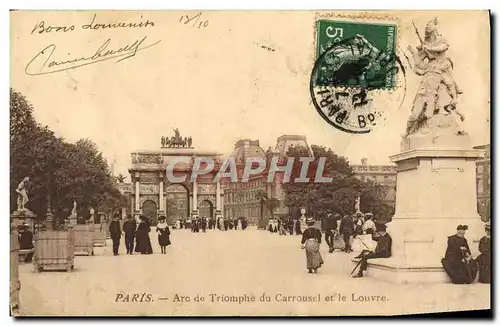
244 223
143 243
290 225
115 233
281 226
297 227
458 262
311 240
369 225
330 227
382 250
204 224
347 230
226 224
129 228
484 259
163 234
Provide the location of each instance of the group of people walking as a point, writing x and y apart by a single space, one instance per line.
196 224
346 230
349 227
458 262
136 235
283 226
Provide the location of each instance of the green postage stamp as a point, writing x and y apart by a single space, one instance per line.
355 54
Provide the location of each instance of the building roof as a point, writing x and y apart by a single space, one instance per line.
245 148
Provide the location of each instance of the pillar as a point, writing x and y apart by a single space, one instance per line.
162 201
436 191
137 200
222 203
218 204
195 198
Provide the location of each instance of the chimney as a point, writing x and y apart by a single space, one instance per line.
364 161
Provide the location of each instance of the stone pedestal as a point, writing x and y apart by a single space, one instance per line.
21 216
436 191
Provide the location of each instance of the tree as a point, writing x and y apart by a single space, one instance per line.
338 196
272 205
59 172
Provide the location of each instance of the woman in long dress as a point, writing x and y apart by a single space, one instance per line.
311 240
143 243
163 235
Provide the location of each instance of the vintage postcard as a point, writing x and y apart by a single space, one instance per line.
249 163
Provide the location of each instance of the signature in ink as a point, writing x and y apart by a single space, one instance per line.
43 62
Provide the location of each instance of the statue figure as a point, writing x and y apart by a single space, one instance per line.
189 141
162 141
357 205
73 211
431 62
167 142
172 141
92 212
177 134
22 194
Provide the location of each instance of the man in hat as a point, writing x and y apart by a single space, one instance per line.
382 250
484 259
458 262
115 233
129 228
26 240
347 230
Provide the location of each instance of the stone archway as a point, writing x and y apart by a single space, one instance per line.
178 201
149 209
206 208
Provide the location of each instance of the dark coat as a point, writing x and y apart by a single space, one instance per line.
311 233
459 271
384 247
129 228
330 223
347 226
114 230
484 260
163 236
453 251
26 240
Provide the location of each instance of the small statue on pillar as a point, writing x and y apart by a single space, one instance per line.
22 195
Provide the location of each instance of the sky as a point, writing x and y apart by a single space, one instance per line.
244 75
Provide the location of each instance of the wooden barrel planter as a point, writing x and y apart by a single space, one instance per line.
84 239
54 250
15 284
99 235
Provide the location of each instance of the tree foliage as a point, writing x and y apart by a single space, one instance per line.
338 196
272 205
59 172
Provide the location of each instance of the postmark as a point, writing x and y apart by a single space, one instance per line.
355 72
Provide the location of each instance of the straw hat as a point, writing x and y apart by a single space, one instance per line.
310 221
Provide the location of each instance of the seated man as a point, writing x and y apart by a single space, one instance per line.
382 250
26 241
458 262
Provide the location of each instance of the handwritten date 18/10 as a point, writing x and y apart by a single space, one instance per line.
194 21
